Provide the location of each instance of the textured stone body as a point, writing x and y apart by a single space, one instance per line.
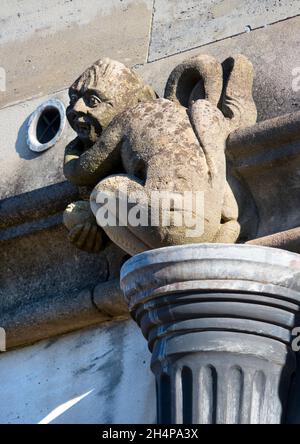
171 145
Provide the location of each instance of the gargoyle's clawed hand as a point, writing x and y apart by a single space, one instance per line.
87 237
84 232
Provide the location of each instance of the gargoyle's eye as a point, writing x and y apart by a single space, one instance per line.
92 101
73 99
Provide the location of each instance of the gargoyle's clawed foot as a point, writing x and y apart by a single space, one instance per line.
237 101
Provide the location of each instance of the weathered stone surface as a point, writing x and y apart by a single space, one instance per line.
109 299
103 91
52 42
219 321
286 240
35 205
268 153
265 161
179 25
104 370
56 41
47 286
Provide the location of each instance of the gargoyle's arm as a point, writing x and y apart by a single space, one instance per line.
90 166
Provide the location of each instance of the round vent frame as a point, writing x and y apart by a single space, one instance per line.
40 117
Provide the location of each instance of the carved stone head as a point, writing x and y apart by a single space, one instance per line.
104 90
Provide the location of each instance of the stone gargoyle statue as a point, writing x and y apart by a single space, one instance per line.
128 138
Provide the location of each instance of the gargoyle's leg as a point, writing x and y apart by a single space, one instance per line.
112 202
132 219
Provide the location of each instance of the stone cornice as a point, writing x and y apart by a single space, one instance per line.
48 317
33 207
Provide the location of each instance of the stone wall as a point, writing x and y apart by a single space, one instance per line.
43 47
97 375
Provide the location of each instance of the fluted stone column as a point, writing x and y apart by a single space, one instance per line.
218 320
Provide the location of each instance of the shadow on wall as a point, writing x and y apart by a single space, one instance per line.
96 375
21 143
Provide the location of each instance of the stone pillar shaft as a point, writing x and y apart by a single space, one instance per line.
223 387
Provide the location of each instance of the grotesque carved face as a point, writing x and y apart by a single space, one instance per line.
99 94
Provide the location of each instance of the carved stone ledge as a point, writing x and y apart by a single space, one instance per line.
52 316
29 212
218 320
